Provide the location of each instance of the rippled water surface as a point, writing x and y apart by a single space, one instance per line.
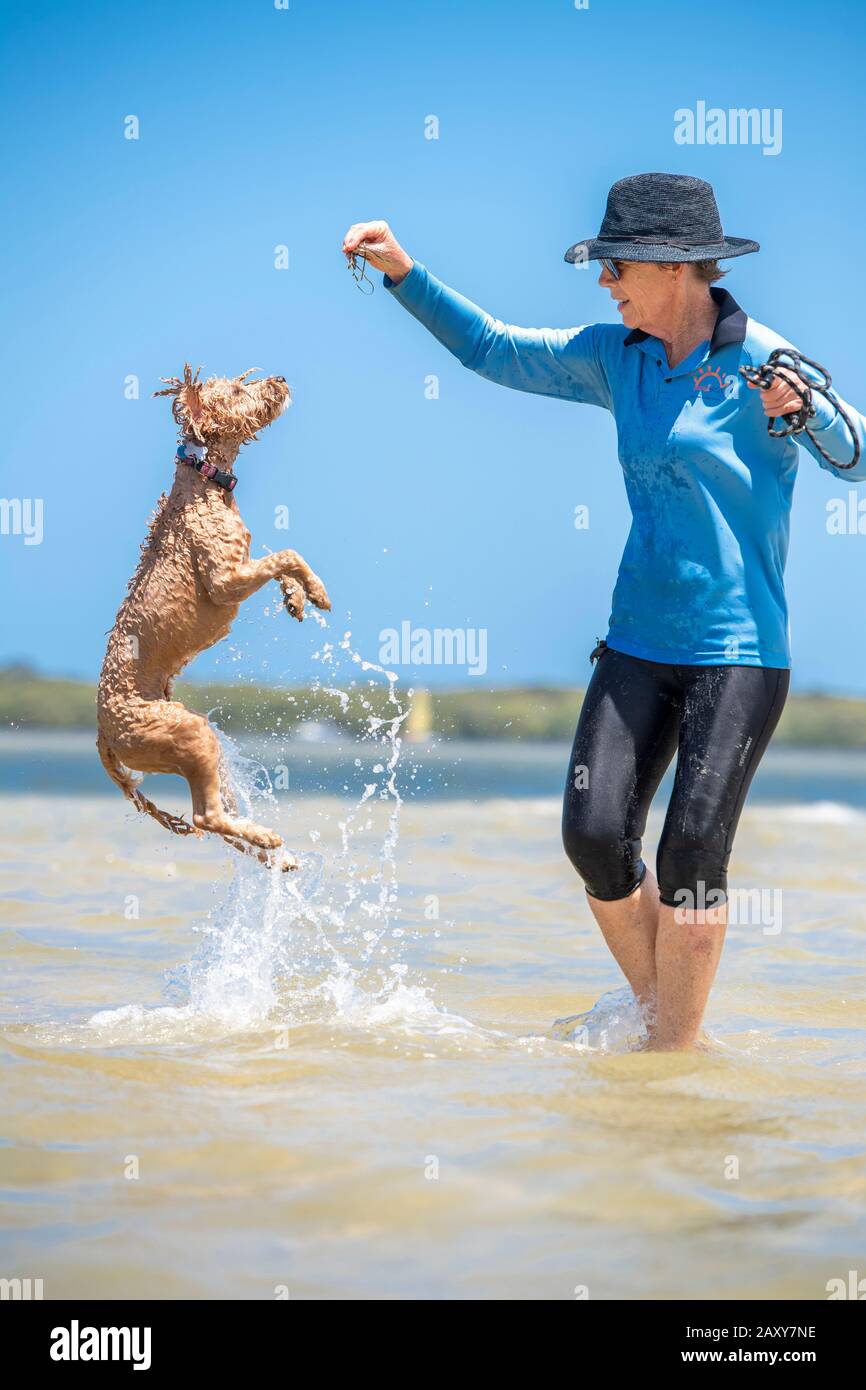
219 1081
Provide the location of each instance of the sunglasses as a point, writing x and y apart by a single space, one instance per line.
610 267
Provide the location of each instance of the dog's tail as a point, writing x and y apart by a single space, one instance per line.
122 777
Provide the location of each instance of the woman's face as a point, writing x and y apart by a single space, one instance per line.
642 293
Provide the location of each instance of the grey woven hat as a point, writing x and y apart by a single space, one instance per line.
661 217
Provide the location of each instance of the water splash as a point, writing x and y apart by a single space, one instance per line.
321 944
615 1023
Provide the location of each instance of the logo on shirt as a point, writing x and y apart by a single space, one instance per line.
714 385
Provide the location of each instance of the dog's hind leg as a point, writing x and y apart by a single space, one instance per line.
208 808
128 785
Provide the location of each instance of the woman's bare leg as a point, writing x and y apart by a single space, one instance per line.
687 952
629 926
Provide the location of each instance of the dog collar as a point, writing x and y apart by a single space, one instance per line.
196 456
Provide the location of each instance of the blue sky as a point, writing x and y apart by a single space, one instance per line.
261 127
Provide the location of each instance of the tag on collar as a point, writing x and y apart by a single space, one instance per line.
196 456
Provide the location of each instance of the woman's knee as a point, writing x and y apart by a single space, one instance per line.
609 864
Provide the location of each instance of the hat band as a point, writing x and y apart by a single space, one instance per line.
655 241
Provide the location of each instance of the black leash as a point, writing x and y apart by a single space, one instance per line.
764 377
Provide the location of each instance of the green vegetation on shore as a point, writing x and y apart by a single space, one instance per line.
30 701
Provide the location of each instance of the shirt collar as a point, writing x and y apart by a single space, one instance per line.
730 325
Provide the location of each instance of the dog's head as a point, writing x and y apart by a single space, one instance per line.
230 409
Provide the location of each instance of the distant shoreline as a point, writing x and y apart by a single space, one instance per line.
29 701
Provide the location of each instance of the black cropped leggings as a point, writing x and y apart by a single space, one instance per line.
636 715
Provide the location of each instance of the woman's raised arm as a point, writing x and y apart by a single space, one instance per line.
563 362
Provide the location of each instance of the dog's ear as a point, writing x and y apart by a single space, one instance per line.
187 407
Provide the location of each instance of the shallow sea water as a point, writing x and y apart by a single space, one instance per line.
221 1082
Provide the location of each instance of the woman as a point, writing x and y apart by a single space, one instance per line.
696 660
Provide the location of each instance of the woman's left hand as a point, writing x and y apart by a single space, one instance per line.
780 399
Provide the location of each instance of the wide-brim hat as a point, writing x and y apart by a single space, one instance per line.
661 217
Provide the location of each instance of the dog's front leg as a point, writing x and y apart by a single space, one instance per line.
229 579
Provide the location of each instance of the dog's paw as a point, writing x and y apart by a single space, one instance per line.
293 598
317 593
268 839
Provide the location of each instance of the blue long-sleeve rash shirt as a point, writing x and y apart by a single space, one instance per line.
701 577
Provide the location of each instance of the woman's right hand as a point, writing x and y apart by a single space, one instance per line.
382 249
